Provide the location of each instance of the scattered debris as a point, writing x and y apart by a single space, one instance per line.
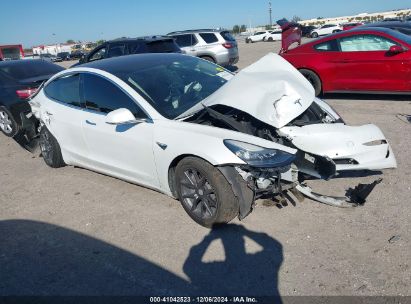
404 117
394 239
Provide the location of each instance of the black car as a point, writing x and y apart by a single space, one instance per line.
306 30
402 27
77 54
64 56
127 46
18 80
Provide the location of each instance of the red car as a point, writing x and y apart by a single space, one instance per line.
376 60
350 26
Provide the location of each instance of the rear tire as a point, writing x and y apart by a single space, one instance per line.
270 39
8 124
314 35
50 149
208 58
313 78
205 193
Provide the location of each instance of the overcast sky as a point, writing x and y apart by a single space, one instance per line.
41 22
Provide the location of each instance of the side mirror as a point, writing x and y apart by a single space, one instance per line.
396 49
122 117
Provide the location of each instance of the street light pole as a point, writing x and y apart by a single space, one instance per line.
270 12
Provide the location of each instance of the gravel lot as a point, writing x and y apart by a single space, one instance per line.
71 231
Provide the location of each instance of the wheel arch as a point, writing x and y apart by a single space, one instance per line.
172 170
316 73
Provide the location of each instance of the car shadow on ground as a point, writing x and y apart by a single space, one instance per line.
358 96
42 259
232 68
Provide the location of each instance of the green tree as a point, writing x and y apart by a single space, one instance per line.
243 28
98 42
296 18
236 29
70 41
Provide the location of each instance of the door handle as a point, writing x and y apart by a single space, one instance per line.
91 123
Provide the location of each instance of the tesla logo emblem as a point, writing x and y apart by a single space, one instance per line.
161 145
298 101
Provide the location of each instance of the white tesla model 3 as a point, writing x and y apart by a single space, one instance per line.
194 131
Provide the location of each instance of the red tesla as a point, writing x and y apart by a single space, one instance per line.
376 60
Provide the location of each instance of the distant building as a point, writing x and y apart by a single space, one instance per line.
52 49
363 17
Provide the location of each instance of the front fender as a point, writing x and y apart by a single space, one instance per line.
173 139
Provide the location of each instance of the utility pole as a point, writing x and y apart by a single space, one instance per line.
270 10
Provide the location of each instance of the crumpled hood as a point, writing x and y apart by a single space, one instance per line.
271 90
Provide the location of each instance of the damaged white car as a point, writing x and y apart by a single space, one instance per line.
192 130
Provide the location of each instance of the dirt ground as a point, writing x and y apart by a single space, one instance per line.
71 231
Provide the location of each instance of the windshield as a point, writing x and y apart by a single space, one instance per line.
173 87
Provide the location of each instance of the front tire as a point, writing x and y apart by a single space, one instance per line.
313 78
8 124
270 39
204 192
50 149
314 35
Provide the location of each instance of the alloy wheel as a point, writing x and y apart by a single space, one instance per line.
5 123
197 194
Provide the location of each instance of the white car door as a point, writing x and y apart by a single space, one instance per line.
125 151
62 113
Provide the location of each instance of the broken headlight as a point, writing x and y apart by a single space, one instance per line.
259 157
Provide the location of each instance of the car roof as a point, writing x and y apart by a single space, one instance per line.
23 62
388 24
145 38
196 31
116 65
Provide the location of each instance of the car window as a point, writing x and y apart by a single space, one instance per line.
363 43
227 36
259 33
116 50
162 46
328 46
136 48
65 89
100 54
209 37
103 96
186 40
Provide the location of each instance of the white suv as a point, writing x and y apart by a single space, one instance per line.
217 46
325 30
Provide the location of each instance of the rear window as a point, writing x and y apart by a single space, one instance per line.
209 37
29 69
162 46
227 36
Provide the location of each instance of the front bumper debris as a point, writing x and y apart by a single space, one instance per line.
354 197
